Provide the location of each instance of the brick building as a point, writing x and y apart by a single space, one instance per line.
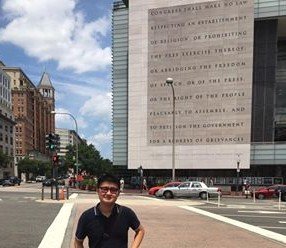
32 108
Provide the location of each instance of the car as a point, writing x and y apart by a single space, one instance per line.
52 181
40 178
189 189
153 190
7 183
267 192
48 182
14 180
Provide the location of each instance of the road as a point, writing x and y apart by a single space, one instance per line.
169 223
261 213
24 218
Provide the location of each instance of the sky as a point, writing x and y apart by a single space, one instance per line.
70 40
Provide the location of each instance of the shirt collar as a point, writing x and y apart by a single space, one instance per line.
97 211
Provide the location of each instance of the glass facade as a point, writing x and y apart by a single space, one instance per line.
120 82
269 8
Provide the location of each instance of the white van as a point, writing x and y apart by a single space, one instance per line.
40 178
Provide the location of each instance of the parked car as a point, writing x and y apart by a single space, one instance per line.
7 183
189 189
14 180
1 181
267 192
40 178
153 190
52 181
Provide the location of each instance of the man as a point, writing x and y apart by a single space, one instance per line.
106 224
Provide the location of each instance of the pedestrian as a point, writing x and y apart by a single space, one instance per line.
145 184
121 184
106 224
247 190
211 182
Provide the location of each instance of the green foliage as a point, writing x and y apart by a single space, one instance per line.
4 159
89 158
35 167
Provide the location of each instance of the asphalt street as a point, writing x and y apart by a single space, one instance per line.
24 219
261 213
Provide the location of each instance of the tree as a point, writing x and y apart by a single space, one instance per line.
89 159
35 167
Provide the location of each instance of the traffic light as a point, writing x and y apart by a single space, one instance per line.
55 160
52 141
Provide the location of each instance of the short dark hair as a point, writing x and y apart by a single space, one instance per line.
107 177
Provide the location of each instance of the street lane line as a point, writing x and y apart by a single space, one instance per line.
253 216
259 212
273 227
282 222
55 234
258 230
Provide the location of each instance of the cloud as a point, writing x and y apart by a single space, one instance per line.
98 105
102 141
54 30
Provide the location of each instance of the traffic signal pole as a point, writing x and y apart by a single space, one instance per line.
52 142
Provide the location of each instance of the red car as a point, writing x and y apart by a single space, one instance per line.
153 190
267 192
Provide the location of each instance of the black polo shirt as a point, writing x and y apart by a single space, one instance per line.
103 232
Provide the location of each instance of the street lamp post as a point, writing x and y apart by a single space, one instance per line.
76 129
170 81
237 172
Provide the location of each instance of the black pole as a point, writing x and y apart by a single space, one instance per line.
68 193
57 184
52 191
43 192
237 177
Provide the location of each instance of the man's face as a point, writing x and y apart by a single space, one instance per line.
108 192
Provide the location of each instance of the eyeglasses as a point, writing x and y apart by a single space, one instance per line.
113 190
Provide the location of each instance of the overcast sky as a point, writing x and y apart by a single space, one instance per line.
71 40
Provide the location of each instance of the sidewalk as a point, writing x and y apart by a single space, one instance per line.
170 226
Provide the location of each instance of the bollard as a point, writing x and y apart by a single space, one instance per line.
68 193
254 196
218 200
57 192
52 192
279 201
207 196
43 192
